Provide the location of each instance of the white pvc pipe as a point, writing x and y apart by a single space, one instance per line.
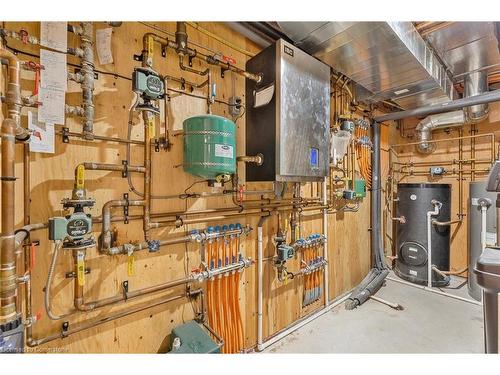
437 206
484 209
325 246
260 275
433 290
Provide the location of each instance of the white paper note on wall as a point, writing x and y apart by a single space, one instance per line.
54 35
43 135
182 107
54 74
103 45
52 110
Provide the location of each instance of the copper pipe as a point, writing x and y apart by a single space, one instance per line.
8 275
32 342
148 117
446 223
27 249
431 163
113 167
13 95
424 173
193 277
99 138
193 53
106 234
489 135
460 174
455 272
425 28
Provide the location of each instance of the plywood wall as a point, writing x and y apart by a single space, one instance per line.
445 152
52 179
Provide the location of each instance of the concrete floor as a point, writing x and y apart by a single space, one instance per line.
429 323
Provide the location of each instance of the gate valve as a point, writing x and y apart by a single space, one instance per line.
224 59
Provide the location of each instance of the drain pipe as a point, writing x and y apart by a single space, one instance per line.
437 207
260 280
375 278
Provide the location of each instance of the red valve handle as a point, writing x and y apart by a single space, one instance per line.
229 60
241 191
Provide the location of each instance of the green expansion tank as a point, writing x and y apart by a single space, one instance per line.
209 146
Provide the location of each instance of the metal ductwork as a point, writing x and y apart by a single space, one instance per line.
389 59
474 84
426 126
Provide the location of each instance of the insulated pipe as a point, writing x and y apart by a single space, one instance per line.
488 97
8 277
375 278
437 207
260 281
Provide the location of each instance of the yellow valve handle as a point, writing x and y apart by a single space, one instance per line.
80 177
151 127
80 268
150 45
131 265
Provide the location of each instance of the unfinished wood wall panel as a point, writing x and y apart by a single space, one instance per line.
447 152
52 180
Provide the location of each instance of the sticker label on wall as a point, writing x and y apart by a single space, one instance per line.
223 151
